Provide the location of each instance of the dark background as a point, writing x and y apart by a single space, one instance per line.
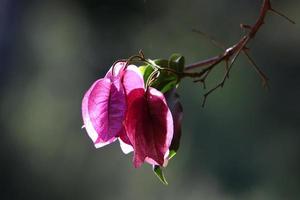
243 145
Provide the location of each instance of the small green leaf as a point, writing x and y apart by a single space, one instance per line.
159 173
171 154
176 62
165 82
162 62
169 86
143 69
146 71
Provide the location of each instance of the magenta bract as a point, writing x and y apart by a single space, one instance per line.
104 104
149 126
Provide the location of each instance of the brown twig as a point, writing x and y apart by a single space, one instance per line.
261 74
230 55
211 39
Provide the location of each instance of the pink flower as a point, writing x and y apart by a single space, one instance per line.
119 107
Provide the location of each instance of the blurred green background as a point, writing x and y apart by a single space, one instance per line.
244 144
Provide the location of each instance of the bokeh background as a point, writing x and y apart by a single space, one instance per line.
244 144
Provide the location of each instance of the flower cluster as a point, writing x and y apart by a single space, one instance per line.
124 106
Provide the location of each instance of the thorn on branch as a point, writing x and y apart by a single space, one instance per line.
210 38
245 26
261 74
227 69
282 15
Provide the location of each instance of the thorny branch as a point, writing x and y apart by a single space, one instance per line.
230 55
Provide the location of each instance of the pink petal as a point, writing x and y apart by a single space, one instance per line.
125 143
118 68
126 148
132 79
103 110
149 126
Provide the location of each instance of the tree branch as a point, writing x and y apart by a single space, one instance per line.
230 55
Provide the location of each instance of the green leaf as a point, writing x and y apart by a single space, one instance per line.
162 62
143 69
172 153
159 173
167 80
176 62
146 71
